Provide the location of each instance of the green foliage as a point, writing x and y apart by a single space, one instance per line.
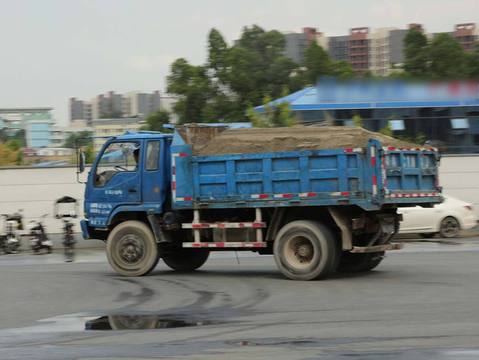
279 115
82 138
472 63
18 135
443 58
447 58
14 144
317 63
387 130
342 70
156 120
193 87
9 156
416 53
357 121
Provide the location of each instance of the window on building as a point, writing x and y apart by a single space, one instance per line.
397 125
460 123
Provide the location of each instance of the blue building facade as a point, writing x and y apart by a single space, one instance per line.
38 128
444 114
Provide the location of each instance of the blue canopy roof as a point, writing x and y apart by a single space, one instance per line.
376 95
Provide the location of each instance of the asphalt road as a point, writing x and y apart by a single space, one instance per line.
420 303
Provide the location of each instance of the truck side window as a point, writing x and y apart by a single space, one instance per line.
152 155
117 157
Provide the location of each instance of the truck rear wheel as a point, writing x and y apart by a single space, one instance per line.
351 263
185 260
131 249
305 250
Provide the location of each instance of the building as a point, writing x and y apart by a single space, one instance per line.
37 122
80 110
59 134
138 104
105 128
466 35
297 43
381 51
109 105
113 105
445 114
359 49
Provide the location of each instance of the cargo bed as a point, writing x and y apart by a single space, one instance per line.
368 177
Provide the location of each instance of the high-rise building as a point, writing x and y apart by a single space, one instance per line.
113 105
140 104
466 35
359 49
109 105
80 110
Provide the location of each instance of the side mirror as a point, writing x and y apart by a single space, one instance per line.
81 161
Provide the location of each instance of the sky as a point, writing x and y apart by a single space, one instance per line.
51 50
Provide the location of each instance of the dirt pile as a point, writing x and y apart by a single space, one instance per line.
259 140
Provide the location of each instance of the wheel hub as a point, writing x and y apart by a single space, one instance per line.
131 249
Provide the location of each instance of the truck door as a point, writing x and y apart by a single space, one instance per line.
153 176
116 180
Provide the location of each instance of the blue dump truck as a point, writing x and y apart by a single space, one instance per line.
317 210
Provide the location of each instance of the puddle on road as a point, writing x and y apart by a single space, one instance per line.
141 322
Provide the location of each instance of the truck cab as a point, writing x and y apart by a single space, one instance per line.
130 175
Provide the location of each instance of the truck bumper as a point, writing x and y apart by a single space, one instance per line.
84 229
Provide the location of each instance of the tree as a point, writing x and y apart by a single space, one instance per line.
317 63
416 53
342 70
8 156
472 63
447 58
156 120
278 115
192 85
82 138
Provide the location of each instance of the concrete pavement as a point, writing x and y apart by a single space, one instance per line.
420 303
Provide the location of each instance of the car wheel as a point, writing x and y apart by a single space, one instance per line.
449 227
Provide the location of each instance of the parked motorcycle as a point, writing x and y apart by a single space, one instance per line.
66 208
12 228
38 236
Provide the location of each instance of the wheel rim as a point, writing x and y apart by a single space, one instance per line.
130 250
299 252
449 227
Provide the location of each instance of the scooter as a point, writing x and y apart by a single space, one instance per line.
38 236
66 208
10 240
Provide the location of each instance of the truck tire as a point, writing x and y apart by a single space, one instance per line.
305 250
185 260
352 263
131 249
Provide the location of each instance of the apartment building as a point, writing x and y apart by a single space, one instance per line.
113 105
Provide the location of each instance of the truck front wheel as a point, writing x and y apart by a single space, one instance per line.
185 260
131 249
305 250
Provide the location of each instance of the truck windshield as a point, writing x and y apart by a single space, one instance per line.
117 157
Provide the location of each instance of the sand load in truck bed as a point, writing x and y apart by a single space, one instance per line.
259 140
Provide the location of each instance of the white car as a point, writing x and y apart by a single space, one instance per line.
446 219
